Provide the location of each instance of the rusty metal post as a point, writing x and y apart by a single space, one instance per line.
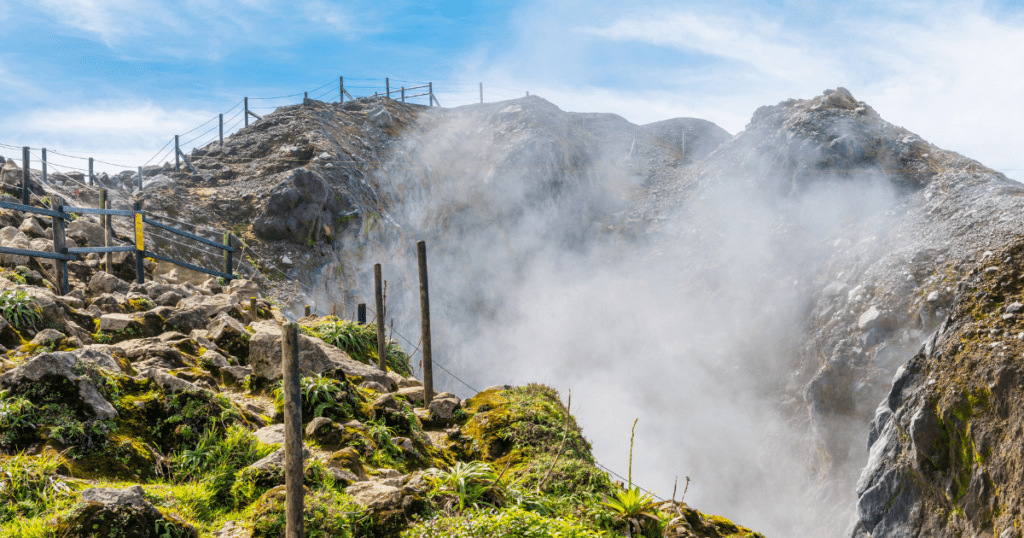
292 431
382 353
428 365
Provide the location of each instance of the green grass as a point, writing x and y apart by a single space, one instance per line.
359 341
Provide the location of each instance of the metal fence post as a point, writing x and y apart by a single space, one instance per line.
222 130
361 313
378 283
60 267
177 153
428 365
43 162
91 180
25 172
108 257
246 113
227 255
292 430
140 248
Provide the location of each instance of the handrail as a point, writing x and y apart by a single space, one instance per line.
188 235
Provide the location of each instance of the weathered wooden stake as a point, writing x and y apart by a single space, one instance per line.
292 431
430 92
403 94
222 130
361 313
91 178
481 92
305 95
378 283
140 266
307 311
25 172
428 365
246 113
60 267
177 155
387 86
140 178
43 162
341 89
227 255
108 257
253 310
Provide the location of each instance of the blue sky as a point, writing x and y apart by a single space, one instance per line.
116 79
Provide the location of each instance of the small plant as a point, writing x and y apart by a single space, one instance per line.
19 309
471 483
634 508
15 276
28 484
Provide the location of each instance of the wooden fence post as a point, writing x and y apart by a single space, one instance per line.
222 130
25 172
43 162
177 153
253 310
387 86
341 89
105 204
246 113
292 430
378 283
140 178
227 255
403 94
361 314
430 92
307 311
305 95
60 267
428 365
140 248
481 93
92 180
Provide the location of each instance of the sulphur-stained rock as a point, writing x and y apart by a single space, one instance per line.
58 366
154 351
374 495
121 512
103 356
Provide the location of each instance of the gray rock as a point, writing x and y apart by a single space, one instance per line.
374 495
1014 308
116 497
90 232
407 382
229 334
234 375
317 424
373 385
869 319
60 364
404 443
171 298
835 289
115 322
413 394
381 117
444 408
315 357
276 458
32 228
103 282
185 320
99 354
271 435
48 337
169 383
215 359
212 305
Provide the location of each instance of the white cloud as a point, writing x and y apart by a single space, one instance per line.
124 134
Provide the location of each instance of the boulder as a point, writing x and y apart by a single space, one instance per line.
375 495
171 298
85 232
413 394
271 435
444 408
407 382
32 228
325 432
212 305
48 337
60 366
234 375
121 512
301 207
183 320
169 383
315 357
381 117
116 322
212 359
230 335
373 385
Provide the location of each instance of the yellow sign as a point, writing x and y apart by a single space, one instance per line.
138 232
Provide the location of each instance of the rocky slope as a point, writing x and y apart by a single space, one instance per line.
151 411
825 244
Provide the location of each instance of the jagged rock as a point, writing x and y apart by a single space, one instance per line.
121 512
870 319
300 207
443 406
325 432
171 298
151 353
32 228
374 495
211 305
407 382
86 233
242 290
169 383
104 357
230 335
214 359
184 320
60 365
315 357
413 394
234 375
404 443
373 385
48 337
381 117
116 322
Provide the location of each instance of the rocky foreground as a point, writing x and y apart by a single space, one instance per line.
152 411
